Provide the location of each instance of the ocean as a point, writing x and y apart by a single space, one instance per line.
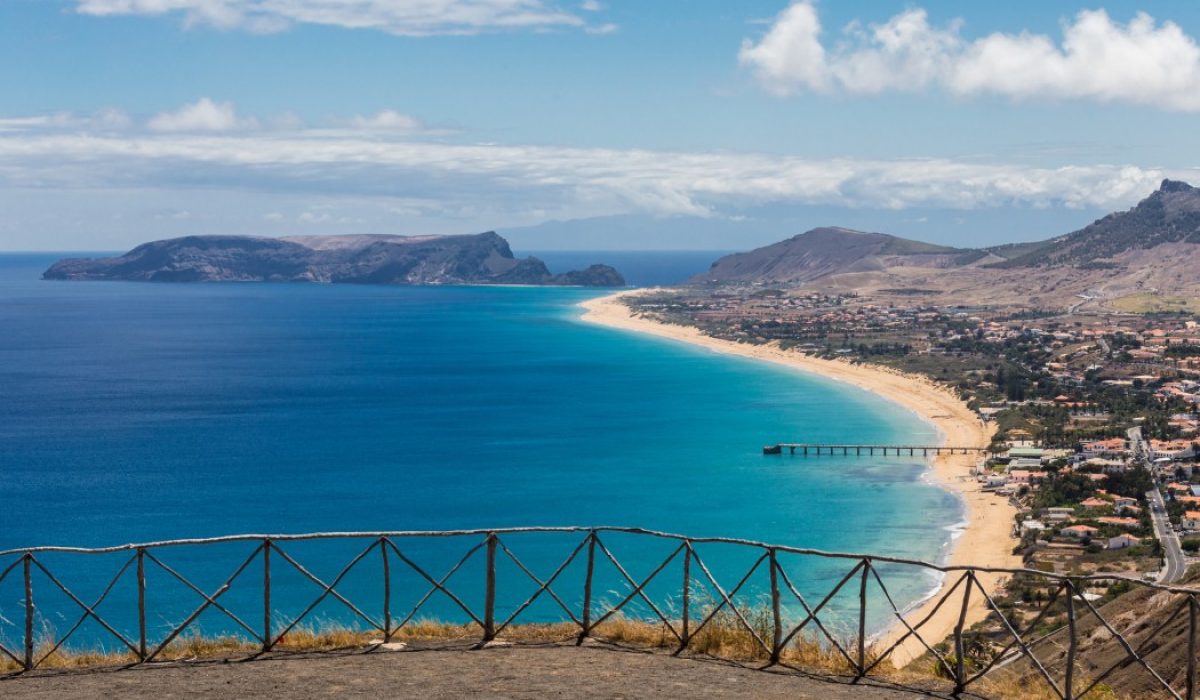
136 412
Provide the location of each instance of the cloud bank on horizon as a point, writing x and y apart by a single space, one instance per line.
210 143
1142 62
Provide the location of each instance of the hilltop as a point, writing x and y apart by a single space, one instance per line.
1169 215
483 258
1132 260
827 251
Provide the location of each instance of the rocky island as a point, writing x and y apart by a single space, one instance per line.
483 258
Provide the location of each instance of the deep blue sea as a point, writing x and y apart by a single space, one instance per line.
136 412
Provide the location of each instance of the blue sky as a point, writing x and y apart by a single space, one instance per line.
682 123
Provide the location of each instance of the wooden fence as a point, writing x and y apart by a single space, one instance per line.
1048 653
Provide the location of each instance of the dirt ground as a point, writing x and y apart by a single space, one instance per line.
551 671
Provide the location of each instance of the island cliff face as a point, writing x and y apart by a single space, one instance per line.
483 258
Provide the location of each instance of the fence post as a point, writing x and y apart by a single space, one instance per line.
489 600
141 589
862 619
686 637
1069 680
267 641
1191 669
960 648
776 613
26 565
587 589
387 592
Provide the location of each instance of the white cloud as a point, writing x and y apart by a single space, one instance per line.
104 120
310 217
601 29
450 178
790 56
1142 62
202 115
401 17
387 120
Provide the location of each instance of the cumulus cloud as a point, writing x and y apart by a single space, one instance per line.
202 115
567 181
1143 62
400 17
387 120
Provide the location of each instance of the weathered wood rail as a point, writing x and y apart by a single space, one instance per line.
1035 639
812 448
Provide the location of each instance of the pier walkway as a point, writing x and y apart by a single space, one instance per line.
807 448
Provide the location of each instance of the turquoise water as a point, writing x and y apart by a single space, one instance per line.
136 412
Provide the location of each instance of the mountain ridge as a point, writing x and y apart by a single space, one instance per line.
1151 247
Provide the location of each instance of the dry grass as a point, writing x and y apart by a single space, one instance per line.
724 636
1150 303
1006 685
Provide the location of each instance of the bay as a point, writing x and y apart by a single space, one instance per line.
137 412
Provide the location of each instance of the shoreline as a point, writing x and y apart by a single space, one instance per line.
986 539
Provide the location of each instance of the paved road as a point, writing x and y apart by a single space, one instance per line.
1175 566
1136 444
495 674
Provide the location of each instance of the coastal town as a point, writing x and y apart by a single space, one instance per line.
1094 413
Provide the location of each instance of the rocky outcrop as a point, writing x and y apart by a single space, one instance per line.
1171 214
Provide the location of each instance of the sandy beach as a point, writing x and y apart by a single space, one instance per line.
986 541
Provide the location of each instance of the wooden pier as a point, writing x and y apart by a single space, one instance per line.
869 450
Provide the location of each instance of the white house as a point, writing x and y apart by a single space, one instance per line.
1122 541
1081 531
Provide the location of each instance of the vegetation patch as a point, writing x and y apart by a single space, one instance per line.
1150 303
